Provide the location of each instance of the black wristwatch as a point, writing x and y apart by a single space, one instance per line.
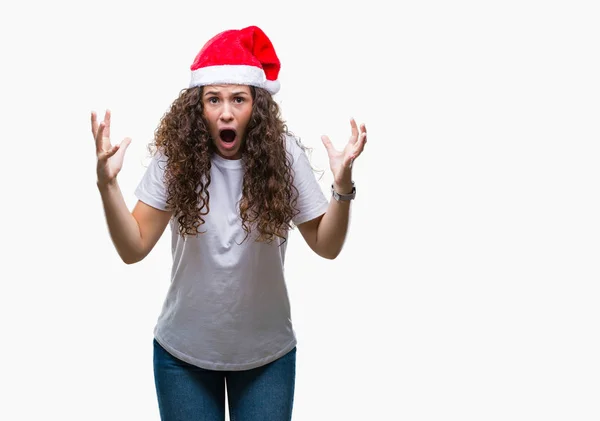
344 197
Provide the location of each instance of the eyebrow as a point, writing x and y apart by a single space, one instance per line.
238 93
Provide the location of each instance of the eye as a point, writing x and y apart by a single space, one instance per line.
213 100
239 99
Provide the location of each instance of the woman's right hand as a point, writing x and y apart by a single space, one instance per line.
110 158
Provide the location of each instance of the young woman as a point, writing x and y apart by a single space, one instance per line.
231 180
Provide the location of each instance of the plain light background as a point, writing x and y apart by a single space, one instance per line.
468 286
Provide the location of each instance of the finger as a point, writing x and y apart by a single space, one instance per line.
354 130
94 124
360 145
113 151
99 141
328 144
362 142
104 155
123 147
363 128
107 116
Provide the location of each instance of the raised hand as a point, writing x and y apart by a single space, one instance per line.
110 158
341 161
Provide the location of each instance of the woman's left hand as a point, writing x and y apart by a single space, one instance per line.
341 161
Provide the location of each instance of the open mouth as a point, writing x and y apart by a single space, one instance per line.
227 135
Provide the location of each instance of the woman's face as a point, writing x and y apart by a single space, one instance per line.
227 109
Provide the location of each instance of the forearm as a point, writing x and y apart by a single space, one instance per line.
331 233
122 226
333 227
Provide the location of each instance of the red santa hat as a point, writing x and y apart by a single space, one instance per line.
241 57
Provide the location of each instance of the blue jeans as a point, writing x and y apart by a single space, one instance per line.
186 392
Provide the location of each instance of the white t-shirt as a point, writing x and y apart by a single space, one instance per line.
227 307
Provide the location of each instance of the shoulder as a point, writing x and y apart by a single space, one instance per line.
155 163
294 147
159 154
157 158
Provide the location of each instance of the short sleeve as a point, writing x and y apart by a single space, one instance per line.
311 201
152 189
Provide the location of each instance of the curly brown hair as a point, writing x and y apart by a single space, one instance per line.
269 197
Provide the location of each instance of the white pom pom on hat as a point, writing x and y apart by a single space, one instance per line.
237 56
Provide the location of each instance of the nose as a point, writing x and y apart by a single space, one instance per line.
226 112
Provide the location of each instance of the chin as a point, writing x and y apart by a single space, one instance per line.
230 154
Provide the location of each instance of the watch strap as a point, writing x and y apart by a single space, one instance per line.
344 197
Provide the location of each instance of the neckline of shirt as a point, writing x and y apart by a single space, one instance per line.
227 163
